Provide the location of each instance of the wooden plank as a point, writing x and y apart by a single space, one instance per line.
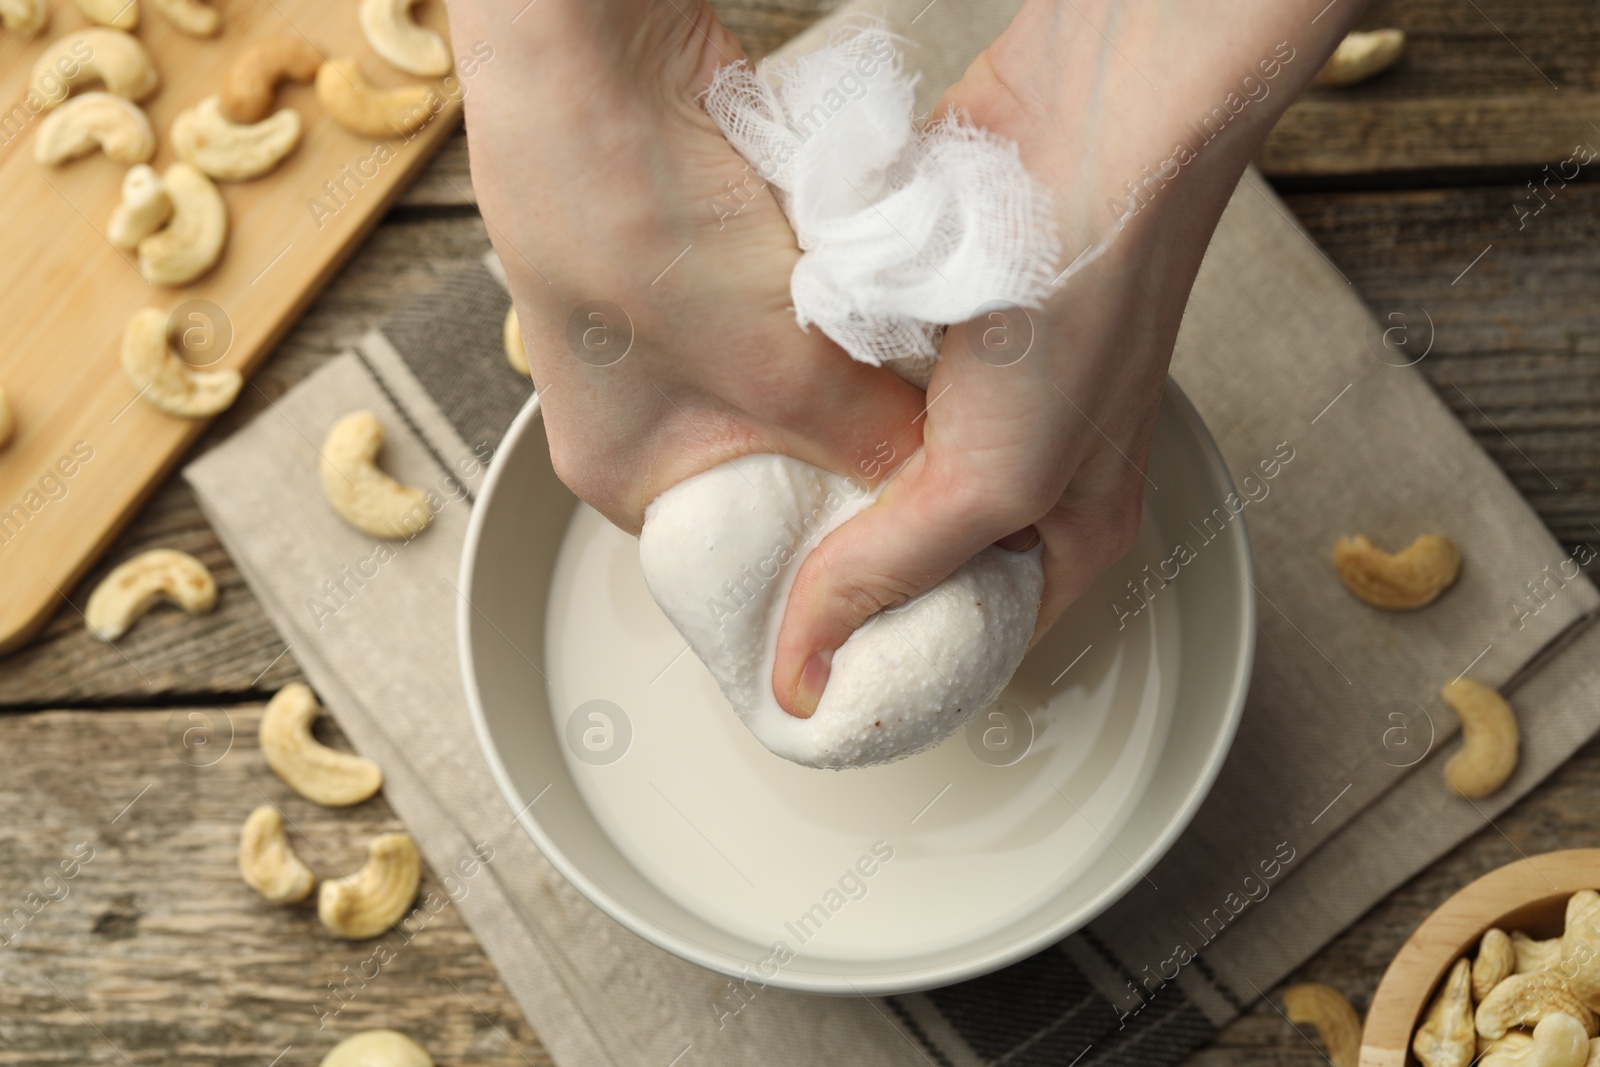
1515 352
1493 83
168 653
155 947
86 451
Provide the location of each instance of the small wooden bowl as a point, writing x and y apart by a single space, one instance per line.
1529 895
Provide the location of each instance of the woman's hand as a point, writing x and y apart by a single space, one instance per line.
1053 447
601 179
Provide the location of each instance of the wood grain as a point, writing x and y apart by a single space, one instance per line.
66 292
1490 84
156 950
168 653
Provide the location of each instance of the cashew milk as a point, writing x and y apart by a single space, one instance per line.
912 856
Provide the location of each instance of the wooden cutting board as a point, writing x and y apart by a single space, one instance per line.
87 451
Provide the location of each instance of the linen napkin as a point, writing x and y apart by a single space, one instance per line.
1317 814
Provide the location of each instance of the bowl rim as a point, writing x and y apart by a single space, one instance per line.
1454 929
909 980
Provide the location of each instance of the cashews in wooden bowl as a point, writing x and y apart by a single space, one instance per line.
1480 978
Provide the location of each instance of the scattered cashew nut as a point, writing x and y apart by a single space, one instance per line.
119 14
361 107
166 381
145 208
191 242
111 123
1525 999
1446 1038
1496 961
203 136
374 898
110 56
1488 752
252 82
1558 1041
1361 55
1534 955
511 338
321 774
394 36
190 16
267 861
377 1048
1331 1013
363 495
7 423
27 17
133 587
1410 578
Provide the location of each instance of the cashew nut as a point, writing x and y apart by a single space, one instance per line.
145 208
1400 581
361 107
321 774
1525 999
1534 955
1361 55
1580 947
190 16
394 36
110 56
1446 1037
1496 960
26 17
7 423
363 495
1558 1041
1331 1013
1488 752
267 860
191 242
1515 1041
377 1048
119 14
374 898
133 587
511 337
167 381
203 136
252 82
116 126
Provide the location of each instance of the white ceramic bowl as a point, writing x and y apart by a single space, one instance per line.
1201 626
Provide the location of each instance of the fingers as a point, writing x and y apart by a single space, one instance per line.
924 526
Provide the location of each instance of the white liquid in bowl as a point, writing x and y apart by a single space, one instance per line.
777 852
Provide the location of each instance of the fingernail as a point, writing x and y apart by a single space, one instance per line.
813 680
1020 541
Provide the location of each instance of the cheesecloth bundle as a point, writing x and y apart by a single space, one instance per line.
903 230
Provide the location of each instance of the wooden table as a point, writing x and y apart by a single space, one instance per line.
155 952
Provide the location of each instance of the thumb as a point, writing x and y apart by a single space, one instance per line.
915 535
